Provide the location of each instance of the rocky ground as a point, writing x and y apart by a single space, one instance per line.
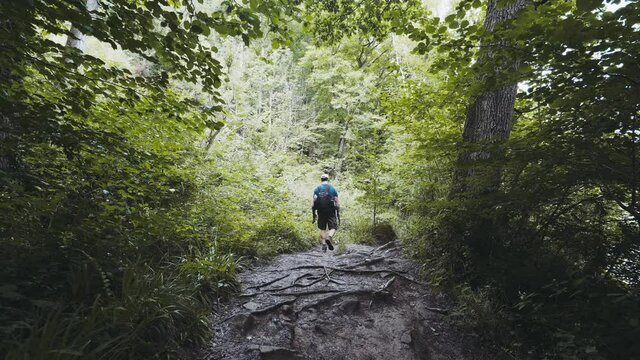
366 303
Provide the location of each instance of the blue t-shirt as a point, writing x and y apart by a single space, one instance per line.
332 190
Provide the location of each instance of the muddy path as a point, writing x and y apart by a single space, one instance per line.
366 303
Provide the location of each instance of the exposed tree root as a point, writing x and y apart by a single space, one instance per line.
367 262
330 280
370 298
339 269
259 311
389 245
391 272
257 287
273 307
438 310
293 285
308 292
376 293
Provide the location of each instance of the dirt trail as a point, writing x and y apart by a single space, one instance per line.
366 303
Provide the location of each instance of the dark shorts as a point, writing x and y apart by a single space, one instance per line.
327 221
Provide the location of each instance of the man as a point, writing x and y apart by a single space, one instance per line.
327 205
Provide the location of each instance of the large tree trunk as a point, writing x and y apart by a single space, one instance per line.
489 119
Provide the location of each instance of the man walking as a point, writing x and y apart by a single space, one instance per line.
327 205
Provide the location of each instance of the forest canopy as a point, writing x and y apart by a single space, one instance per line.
150 150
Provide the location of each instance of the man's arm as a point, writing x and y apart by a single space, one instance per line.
313 207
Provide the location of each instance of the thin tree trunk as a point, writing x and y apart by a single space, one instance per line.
396 55
489 121
375 199
210 138
343 140
270 114
634 165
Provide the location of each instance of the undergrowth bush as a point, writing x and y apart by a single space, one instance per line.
277 234
132 240
151 314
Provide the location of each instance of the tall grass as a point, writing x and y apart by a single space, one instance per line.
153 314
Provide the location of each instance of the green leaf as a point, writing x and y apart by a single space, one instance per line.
588 5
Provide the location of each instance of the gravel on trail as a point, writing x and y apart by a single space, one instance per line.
366 303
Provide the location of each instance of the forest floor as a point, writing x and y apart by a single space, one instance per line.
366 303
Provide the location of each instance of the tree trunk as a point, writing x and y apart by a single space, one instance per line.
397 56
8 159
76 39
343 140
489 120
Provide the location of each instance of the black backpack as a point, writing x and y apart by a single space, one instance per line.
324 201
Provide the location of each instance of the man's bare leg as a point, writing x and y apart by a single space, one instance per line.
323 235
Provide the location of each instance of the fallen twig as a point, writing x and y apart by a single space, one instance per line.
386 285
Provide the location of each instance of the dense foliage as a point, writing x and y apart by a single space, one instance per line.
118 229
550 255
142 166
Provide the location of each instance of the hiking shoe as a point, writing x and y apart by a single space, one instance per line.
324 248
329 244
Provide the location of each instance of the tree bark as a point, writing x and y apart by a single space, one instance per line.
343 140
76 39
8 159
489 120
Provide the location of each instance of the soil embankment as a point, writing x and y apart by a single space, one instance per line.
367 303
